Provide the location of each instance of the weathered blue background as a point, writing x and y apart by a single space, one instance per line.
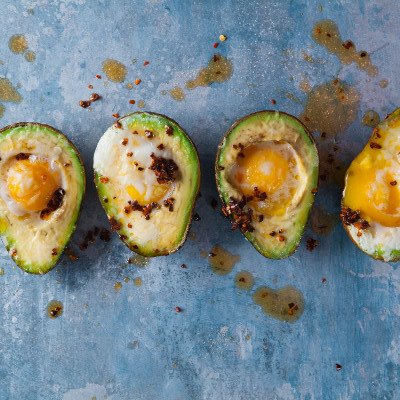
132 344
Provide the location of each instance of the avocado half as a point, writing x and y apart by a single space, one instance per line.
163 231
376 237
36 240
275 236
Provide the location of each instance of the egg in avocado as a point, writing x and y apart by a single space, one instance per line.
371 196
42 185
147 174
266 173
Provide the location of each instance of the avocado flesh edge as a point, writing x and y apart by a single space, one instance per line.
22 129
156 123
308 198
378 252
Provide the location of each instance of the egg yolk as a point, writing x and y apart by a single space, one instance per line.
268 170
31 184
372 188
151 193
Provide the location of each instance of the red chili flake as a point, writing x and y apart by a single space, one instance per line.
323 280
374 145
22 156
260 218
306 119
311 244
363 54
129 226
273 101
240 218
196 217
115 226
54 252
160 146
94 97
84 104
183 266
313 191
273 233
140 168
138 81
393 183
118 125
105 200
135 133
124 142
177 309
281 231
90 86
104 179
215 58
317 30
165 169
148 134
338 367
98 76
54 203
215 45
130 154
116 115
14 252
240 154
281 238
146 63
168 130
220 168
347 45
328 34
131 101
105 235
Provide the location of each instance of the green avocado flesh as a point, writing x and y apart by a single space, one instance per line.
147 175
271 159
31 156
370 201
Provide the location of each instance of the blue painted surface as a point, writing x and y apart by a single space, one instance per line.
132 344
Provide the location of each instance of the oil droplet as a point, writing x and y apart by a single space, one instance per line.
2 109
203 254
322 222
320 8
141 104
31 11
192 235
285 304
244 280
326 33
1 271
305 85
129 86
219 69
163 92
331 107
221 261
137 281
371 118
30 56
383 83
139 260
8 92
54 309
289 96
307 57
177 93
115 71
18 44
118 286
127 279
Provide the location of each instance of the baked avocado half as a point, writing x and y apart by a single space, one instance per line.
147 174
267 173
371 197
42 185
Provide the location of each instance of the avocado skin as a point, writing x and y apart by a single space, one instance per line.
312 188
102 193
78 162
